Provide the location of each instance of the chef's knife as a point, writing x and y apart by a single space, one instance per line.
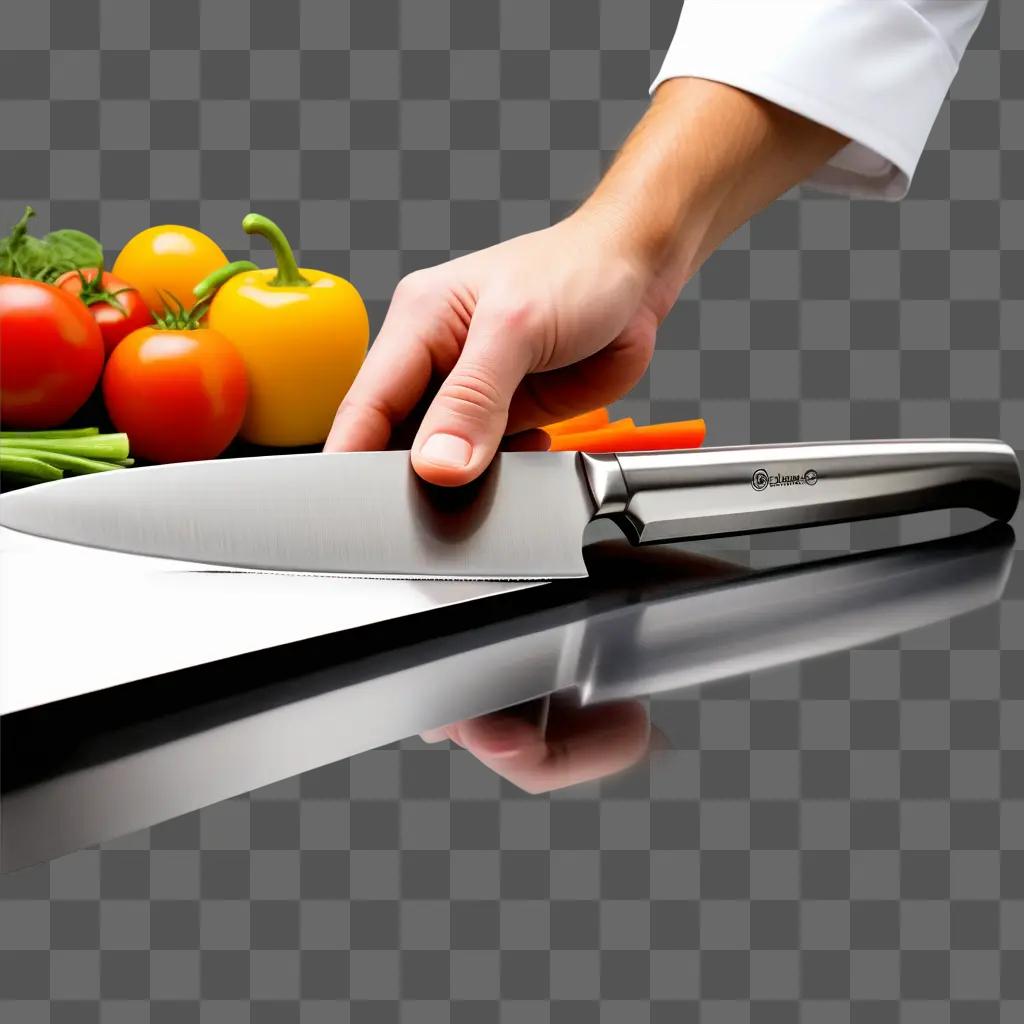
367 514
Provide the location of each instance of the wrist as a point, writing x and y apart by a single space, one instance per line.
703 159
603 229
664 187
660 249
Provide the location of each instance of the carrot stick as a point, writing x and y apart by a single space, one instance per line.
616 426
657 437
593 420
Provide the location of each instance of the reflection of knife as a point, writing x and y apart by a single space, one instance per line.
81 771
783 616
367 514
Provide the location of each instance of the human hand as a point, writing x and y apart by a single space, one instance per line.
557 322
529 331
549 744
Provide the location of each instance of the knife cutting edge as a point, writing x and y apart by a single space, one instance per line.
367 514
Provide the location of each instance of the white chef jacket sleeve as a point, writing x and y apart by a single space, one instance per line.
876 71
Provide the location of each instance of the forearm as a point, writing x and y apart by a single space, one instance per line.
702 161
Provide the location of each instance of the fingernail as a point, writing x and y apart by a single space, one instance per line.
434 735
447 450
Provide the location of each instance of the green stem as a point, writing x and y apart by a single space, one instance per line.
99 446
288 273
24 465
92 292
176 317
47 434
72 463
221 275
21 228
15 240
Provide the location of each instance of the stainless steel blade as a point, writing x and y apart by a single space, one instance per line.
363 514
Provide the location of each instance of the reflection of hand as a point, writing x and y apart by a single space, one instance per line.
575 744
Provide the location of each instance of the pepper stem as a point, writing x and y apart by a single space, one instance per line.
214 280
288 274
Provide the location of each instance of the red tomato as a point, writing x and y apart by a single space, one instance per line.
114 323
51 354
178 394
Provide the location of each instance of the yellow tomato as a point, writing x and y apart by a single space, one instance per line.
167 260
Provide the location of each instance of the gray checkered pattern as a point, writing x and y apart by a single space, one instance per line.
841 841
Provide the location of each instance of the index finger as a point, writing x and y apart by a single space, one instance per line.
396 373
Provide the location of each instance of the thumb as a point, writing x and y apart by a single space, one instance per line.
465 423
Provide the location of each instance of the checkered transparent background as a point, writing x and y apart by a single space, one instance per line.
840 842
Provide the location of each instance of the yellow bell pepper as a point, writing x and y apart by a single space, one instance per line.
302 334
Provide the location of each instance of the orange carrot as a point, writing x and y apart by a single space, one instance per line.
593 420
541 439
657 437
616 426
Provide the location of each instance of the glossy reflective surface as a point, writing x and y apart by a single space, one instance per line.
83 770
161 616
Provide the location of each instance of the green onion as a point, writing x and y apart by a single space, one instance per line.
48 454
72 463
95 446
76 432
23 465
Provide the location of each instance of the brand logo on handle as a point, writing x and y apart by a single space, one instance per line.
762 479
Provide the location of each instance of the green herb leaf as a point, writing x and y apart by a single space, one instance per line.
46 258
69 249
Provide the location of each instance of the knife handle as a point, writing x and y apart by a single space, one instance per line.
712 492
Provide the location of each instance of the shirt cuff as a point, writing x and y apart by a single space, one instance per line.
877 72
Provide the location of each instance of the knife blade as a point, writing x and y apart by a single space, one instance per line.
362 514
368 514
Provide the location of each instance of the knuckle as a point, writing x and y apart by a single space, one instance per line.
526 323
368 407
519 316
472 391
413 287
354 401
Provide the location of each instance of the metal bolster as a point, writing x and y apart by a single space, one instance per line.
607 483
